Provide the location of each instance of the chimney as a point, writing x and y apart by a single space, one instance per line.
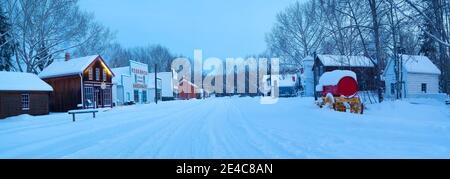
67 57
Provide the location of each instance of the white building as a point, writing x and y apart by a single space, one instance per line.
169 84
133 84
420 77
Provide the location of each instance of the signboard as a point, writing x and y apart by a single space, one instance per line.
103 86
139 73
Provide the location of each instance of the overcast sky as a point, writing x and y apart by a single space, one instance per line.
221 28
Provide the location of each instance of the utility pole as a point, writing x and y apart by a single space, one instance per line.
156 83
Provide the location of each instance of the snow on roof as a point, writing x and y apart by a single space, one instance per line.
61 67
286 80
332 78
15 81
190 83
419 64
339 60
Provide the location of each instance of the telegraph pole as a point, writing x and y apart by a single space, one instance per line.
156 83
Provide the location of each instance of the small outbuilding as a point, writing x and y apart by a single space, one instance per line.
362 66
169 87
189 90
418 77
23 93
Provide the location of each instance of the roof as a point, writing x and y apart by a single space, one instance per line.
15 81
419 64
190 83
342 61
61 67
285 80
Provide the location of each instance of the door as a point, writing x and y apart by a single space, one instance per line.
98 97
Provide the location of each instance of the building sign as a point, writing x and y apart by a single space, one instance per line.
139 73
140 86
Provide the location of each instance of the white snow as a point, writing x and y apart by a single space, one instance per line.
61 67
234 128
15 81
338 61
288 80
419 64
332 78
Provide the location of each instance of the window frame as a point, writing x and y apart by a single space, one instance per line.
90 74
97 74
393 88
25 101
104 75
424 88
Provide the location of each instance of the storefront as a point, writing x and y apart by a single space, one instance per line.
133 84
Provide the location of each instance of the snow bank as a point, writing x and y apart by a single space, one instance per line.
332 78
15 81
236 128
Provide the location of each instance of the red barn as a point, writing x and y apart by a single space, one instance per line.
188 90
79 83
23 93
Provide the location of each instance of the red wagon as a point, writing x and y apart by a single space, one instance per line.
339 90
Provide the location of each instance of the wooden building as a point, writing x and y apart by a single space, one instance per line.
23 93
362 66
79 83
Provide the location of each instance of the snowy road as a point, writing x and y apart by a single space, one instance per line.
234 128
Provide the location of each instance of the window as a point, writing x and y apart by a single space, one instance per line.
89 97
91 74
135 78
136 96
97 74
144 96
424 88
143 79
104 75
128 97
392 88
25 102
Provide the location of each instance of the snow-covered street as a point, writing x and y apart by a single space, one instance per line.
234 128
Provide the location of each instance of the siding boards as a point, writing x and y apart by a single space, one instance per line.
11 103
66 93
415 80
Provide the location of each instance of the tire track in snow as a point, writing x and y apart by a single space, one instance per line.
85 139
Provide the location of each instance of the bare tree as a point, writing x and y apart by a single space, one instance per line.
46 28
297 33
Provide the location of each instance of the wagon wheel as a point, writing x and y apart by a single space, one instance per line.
357 107
329 101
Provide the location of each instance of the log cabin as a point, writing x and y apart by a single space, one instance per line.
84 82
23 93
